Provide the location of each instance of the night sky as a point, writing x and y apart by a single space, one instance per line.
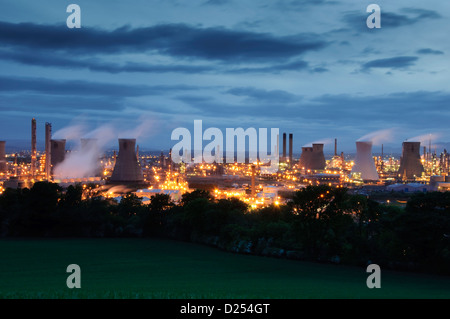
308 67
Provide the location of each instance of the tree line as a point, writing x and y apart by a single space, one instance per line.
320 223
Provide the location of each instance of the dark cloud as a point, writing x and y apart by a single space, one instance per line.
399 62
429 51
50 59
176 40
301 4
319 70
356 112
217 2
83 88
93 64
260 95
275 68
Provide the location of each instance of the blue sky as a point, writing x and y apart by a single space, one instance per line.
311 68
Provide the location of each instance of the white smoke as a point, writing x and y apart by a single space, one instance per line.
425 138
84 161
70 132
378 137
144 129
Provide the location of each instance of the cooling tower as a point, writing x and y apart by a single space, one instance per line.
305 158
58 151
317 157
312 157
127 168
410 164
3 167
364 162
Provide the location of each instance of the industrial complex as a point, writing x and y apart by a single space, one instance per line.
113 173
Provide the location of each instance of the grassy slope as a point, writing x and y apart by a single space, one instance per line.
150 268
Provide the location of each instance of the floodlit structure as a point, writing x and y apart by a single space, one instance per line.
3 166
410 162
127 168
364 163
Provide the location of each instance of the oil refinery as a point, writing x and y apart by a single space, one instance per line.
115 172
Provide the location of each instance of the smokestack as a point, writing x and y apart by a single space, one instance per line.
364 162
48 150
284 147
291 145
410 164
15 165
335 147
58 151
33 148
127 168
253 181
3 166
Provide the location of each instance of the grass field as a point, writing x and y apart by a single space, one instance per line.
150 268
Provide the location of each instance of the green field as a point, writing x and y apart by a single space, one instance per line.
151 268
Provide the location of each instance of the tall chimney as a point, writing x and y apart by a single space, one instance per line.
48 150
33 148
3 166
253 181
291 145
335 147
284 148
